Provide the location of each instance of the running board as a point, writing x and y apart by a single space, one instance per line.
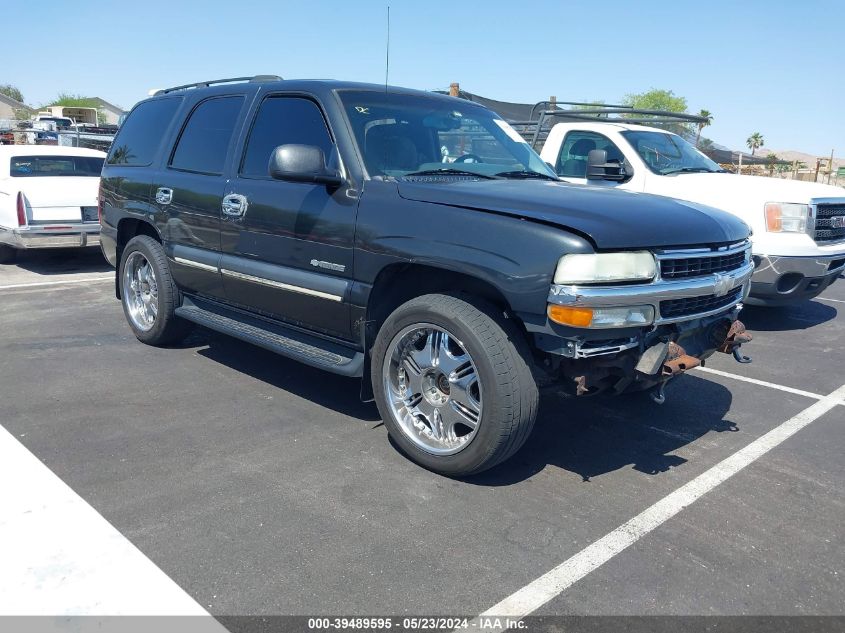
277 338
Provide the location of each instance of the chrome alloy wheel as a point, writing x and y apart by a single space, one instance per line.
432 388
140 291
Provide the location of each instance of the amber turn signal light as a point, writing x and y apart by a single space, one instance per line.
774 218
576 317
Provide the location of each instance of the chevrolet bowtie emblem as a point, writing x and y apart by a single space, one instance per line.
722 284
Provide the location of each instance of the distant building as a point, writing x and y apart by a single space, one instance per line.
110 111
9 107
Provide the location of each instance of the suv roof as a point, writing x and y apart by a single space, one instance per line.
274 82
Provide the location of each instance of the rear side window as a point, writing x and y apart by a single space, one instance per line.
33 166
283 121
205 139
141 134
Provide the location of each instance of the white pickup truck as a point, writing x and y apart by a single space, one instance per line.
799 227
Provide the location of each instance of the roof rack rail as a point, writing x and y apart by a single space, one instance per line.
534 130
206 84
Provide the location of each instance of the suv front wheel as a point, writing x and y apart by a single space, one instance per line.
452 384
148 293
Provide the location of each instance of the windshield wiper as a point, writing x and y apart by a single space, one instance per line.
449 170
693 170
525 173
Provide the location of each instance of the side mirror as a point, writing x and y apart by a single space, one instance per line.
302 163
599 169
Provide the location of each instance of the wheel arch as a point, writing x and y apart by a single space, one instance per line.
127 228
398 283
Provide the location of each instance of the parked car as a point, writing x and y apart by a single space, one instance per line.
319 220
48 197
799 227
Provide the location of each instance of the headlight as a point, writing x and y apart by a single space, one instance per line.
787 217
605 267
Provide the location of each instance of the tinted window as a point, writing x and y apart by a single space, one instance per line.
141 134
283 121
29 166
572 161
203 143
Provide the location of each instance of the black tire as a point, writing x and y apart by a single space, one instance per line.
7 254
167 328
500 354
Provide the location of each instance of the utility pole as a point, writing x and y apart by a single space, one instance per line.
739 169
830 167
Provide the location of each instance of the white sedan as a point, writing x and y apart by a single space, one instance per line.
48 197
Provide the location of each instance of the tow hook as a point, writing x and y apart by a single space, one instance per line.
678 361
734 340
657 394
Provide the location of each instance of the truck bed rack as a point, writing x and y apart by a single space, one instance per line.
537 130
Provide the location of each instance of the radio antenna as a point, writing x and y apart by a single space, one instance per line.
387 52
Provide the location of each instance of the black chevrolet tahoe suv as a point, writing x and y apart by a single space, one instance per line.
416 241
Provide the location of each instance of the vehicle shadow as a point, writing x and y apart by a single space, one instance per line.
796 317
63 260
595 436
587 436
321 387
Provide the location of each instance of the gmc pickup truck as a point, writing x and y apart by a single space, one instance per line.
799 227
415 241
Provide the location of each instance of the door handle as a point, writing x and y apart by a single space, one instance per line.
164 195
234 205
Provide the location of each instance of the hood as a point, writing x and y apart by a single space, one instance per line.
742 195
611 219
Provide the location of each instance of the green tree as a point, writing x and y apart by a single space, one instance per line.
11 91
754 142
708 120
705 144
659 99
78 101
656 99
772 161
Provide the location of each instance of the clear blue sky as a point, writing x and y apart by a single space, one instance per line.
773 67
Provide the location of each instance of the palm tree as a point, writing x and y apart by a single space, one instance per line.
708 120
754 141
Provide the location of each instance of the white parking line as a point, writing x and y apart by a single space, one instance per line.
35 284
553 583
762 383
61 557
834 300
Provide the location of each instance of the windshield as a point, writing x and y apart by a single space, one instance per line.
30 166
668 153
400 135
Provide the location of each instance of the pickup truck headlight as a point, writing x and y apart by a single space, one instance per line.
596 268
787 217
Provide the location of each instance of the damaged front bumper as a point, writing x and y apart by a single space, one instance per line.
693 319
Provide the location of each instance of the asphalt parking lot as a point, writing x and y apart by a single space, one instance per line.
261 486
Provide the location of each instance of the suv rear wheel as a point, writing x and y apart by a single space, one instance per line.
452 384
148 293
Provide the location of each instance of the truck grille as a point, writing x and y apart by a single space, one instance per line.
673 308
824 215
683 267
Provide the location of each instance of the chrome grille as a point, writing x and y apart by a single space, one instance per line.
683 267
673 308
824 215
702 262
